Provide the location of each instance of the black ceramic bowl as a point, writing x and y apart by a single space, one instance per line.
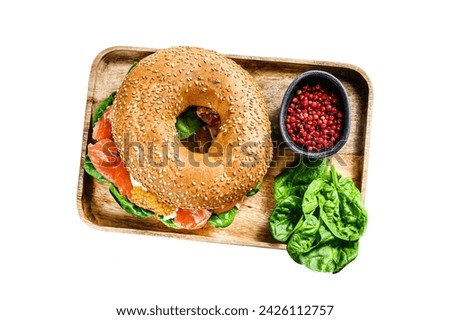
330 84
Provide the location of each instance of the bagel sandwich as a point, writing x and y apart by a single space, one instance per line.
186 138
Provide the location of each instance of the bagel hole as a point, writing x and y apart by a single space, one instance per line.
199 126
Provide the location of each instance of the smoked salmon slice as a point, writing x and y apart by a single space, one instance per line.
105 158
191 219
102 129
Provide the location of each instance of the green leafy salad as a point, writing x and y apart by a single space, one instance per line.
319 214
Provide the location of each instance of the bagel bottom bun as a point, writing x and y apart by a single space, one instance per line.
141 138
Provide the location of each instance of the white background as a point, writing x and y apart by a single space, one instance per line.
53 266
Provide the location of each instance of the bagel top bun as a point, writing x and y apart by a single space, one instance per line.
159 89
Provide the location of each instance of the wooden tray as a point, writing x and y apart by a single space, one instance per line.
98 209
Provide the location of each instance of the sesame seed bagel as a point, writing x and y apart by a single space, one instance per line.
159 89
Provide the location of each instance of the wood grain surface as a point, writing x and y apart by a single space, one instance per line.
98 209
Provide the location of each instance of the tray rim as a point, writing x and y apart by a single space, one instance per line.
87 120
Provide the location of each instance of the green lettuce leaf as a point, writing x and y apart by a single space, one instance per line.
128 206
285 217
133 65
328 254
168 222
255 189
102 107
304 237
223 220
90 169
188 123
296 180
340 205
351 221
